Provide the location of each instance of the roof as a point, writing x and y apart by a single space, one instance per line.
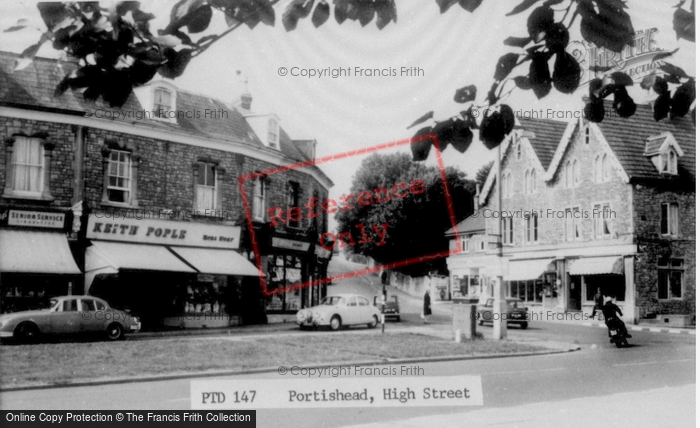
548 134
628 138
473 224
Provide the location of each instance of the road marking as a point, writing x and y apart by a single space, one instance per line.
527 371
652 362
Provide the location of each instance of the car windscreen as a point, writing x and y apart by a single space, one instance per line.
513 304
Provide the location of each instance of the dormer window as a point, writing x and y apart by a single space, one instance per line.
272 133
162 103
664 152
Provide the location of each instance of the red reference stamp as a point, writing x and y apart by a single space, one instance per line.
328 241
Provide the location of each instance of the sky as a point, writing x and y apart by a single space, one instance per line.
453 50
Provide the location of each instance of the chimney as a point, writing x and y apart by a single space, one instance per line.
246 100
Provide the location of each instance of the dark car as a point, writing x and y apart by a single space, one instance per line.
391 307
516 312
68 315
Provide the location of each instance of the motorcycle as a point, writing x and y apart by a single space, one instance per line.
617 335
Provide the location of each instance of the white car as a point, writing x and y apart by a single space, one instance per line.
338 311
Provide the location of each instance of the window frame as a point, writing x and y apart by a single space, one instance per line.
129 178
672 221
531 233
665 267
293 197
600 221
273 133
157 106
507 229
41 166
215 188
259 199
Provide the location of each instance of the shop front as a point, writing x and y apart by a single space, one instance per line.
533 282
36 262
170 273
588 275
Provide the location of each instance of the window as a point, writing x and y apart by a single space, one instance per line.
352 301
577 173
569 174
587 133
272 133
293 201
28 166
606 168
162 103
259 200
598 169
572 224
206 188
70 305
519 151
602 215
669 219
465 244
88 305
508 185
671 273
362 301
669 162
530 180
533 181
507 227
531 228
100 306
119 177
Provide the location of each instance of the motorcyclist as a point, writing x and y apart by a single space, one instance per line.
610 311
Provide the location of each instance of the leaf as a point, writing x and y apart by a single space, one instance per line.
609 27
462 136
539 22
518 42
595 111
567 73
444 131
505 65
623 104
167 41
491 97
525 5
386 12
428 115
492 130
683 99
508 117
27 56
177 62
321 13
470 5
421 149
684 25
648 81
609 89
622 78
465 94
660 85
297 9
53 13
522 82
198 20
340 10
365 12
540 79
183 8
595 87
662 106
445 4
557 37
22 23
673 70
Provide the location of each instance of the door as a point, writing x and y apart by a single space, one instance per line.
365 310
352 315
67 319
575 293
93 320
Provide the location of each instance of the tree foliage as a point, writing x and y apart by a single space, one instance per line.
117 50
416 222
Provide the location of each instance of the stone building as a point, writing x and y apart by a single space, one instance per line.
154 200
587 206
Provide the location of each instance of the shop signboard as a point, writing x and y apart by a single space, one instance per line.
163 232
26 218
290 244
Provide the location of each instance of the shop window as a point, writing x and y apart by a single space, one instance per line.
28 167
602 216
206 193
610 286
531 228
162 103
259 200
572 224
671 272
293 201
669 219
119 177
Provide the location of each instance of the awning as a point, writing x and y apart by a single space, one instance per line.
597 266
135 256
524 270
217 262
35 252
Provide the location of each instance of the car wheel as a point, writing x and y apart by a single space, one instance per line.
26 332
336 323
523 325
374 322
115 331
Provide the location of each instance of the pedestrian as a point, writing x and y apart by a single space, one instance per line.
598 301
426 306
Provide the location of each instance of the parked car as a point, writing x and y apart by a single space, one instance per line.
338 311
391 307
68 315
516 312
